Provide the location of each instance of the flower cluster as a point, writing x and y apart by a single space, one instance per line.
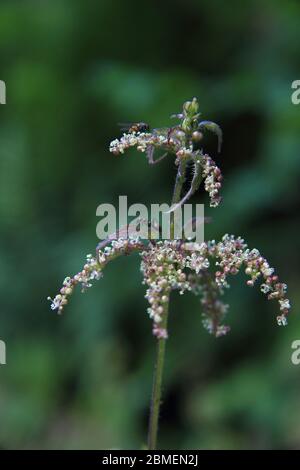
162 267
182 141
213 308
92 270
230 255
165 267
144 141
165 264
212 181
141 140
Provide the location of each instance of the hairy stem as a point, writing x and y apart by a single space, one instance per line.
161 342
180 179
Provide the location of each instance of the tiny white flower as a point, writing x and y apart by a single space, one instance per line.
284 304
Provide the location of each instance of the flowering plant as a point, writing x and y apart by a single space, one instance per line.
184 265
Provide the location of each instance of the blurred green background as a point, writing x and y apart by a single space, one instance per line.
73 70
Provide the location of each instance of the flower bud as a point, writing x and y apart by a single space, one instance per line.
197 136
178 134
191 107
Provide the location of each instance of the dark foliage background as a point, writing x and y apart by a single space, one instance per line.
73 70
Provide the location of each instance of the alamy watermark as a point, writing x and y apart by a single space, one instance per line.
2 92
2 353
295 357
185 222
295 96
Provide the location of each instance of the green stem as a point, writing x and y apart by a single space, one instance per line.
157 384
161 342
180 179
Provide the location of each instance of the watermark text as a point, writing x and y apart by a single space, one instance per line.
2 353
2 92
161 222
295 357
